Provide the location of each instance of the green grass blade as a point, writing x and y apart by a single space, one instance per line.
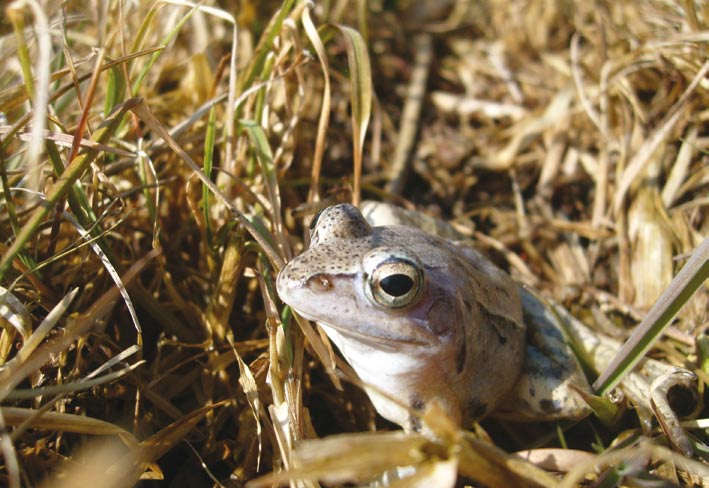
17 17
24 257
258 139
688 280
115 90
78 201
361 79
144 113
209 140
64 183
154 57
265 46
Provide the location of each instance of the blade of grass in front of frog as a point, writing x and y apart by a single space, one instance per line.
488 464
315 340
683 286
603 407
353 457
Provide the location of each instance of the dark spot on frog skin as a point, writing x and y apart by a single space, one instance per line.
417 403
476 409
532 392
414 423
547 406
460 358
502 324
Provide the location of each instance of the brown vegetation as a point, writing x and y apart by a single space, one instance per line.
141 333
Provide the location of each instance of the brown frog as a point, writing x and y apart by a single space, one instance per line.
423 318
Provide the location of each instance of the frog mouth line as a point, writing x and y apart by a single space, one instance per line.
375 341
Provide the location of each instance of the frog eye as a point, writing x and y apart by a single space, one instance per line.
313 228
396 282
314 222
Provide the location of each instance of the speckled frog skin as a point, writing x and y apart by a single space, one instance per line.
420 318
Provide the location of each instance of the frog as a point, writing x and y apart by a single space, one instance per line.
422 316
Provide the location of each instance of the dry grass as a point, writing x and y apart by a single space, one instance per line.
141 333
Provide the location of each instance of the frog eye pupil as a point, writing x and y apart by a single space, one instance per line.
397 285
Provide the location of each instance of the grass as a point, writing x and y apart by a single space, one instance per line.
159 160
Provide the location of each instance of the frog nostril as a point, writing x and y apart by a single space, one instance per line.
320 283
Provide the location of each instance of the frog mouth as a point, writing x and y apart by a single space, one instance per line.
392 343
